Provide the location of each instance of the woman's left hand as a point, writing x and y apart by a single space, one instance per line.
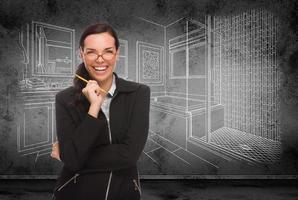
55 151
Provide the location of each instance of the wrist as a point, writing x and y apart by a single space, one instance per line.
94 109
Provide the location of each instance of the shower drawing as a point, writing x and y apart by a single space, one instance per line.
217 108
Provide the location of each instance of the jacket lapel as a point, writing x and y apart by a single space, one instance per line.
121 86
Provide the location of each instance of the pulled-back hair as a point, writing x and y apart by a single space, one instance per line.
81 70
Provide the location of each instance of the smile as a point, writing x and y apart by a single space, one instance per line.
103 68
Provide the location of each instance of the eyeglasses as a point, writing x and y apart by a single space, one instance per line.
106 55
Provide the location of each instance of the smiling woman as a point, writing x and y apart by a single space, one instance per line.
99 54
100 135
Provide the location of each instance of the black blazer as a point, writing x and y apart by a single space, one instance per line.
94 168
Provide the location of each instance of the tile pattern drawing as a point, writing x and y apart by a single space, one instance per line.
150 59
151 65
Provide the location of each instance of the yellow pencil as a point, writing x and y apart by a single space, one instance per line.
87 82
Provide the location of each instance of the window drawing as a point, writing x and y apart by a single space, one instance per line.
196 47
122 63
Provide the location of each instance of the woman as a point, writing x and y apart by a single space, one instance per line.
101 134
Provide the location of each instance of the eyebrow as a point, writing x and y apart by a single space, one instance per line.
108 48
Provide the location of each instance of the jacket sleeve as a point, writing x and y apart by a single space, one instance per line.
75 140
125 154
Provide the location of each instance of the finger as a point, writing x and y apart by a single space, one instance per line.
90 88
98 91
92 83
55 155
55 149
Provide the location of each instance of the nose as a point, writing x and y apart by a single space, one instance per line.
99 60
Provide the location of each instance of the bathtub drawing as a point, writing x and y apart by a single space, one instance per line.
170 119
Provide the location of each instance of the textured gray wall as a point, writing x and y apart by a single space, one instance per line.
126 16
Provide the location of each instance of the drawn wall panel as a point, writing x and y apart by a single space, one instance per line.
250 74
36 131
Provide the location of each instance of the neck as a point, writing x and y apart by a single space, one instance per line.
106 85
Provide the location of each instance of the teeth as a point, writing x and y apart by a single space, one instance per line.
100 68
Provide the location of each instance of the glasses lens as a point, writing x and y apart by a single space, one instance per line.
91 55
95 56
107 55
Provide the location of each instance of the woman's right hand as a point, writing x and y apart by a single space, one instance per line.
95 97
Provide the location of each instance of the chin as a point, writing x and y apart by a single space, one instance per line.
108 74
103 78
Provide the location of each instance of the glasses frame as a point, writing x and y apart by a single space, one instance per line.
100 55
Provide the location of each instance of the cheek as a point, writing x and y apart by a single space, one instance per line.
87 63
112 62
87 66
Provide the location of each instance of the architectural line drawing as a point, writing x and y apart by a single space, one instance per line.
122 63
258 83
152 150
214 89
24 144
194 141
46 152
45 50
43 126
154 161
49 51
179 148
172 153
176 150
199 157
49 61
181 50
150 62
210 73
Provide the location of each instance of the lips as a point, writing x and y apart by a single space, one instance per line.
101 68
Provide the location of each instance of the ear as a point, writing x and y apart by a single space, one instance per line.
81 53
117 54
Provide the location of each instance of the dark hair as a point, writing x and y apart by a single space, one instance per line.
81 70
99 28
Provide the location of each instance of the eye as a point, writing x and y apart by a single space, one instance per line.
109 51
90 52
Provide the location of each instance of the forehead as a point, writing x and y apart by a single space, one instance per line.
99 41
